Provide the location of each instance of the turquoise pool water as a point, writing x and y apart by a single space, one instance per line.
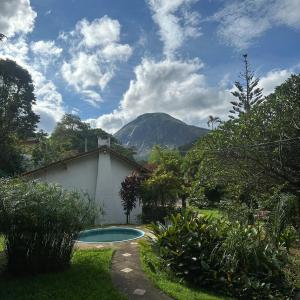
111 234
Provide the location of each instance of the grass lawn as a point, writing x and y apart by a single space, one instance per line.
210 212
163 281
88 278
1 243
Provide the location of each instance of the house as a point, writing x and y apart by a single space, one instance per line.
97 173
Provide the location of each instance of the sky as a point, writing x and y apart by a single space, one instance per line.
109 61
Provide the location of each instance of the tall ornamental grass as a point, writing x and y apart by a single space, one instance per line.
40 223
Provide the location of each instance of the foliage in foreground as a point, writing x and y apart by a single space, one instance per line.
165 281
212 253
87 278
40 223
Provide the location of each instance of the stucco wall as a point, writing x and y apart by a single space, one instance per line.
101 179
119 171
77 175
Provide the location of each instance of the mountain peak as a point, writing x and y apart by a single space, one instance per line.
157 129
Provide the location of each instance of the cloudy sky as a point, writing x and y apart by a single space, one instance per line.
111 60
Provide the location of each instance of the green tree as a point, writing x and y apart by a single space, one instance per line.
247 92
16 100
212 121
167 183
69 138
17 119
257 154
130 193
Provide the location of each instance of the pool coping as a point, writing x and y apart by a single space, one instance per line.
94 229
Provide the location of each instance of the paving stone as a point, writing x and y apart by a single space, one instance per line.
139 292
126 270
126 254
132 284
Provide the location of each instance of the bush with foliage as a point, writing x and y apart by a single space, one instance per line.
130 193
236 259
40 223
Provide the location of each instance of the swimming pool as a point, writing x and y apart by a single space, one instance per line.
110 234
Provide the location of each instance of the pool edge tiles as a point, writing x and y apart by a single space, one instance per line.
140 232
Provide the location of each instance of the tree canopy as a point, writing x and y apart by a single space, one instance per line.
17 119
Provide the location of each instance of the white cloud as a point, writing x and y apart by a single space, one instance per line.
178 88
119 52
241 22
174 87
46 48
176 23
95 51
273 79
16 16
45 52
49 103
84 70
99 32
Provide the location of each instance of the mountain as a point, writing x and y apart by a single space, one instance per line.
157 128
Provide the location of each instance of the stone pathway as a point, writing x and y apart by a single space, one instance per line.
128 276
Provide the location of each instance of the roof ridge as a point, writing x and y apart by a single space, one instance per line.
80 155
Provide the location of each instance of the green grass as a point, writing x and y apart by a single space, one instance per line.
210 212
88 278
165 282
1 243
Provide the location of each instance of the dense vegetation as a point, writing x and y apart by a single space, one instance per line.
168 282
255 159
249 168
40 223
17 119
240 261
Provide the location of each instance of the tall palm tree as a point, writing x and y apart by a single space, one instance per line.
212 121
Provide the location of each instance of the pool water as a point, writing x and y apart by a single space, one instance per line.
111 234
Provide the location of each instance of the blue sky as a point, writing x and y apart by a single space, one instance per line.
110 61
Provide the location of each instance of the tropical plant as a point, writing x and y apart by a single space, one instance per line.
247 92
237 260
40 223
212 121
130 193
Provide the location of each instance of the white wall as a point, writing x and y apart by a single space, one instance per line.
120 170
78 174
98 175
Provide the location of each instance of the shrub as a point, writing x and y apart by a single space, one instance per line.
40 223
213 253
